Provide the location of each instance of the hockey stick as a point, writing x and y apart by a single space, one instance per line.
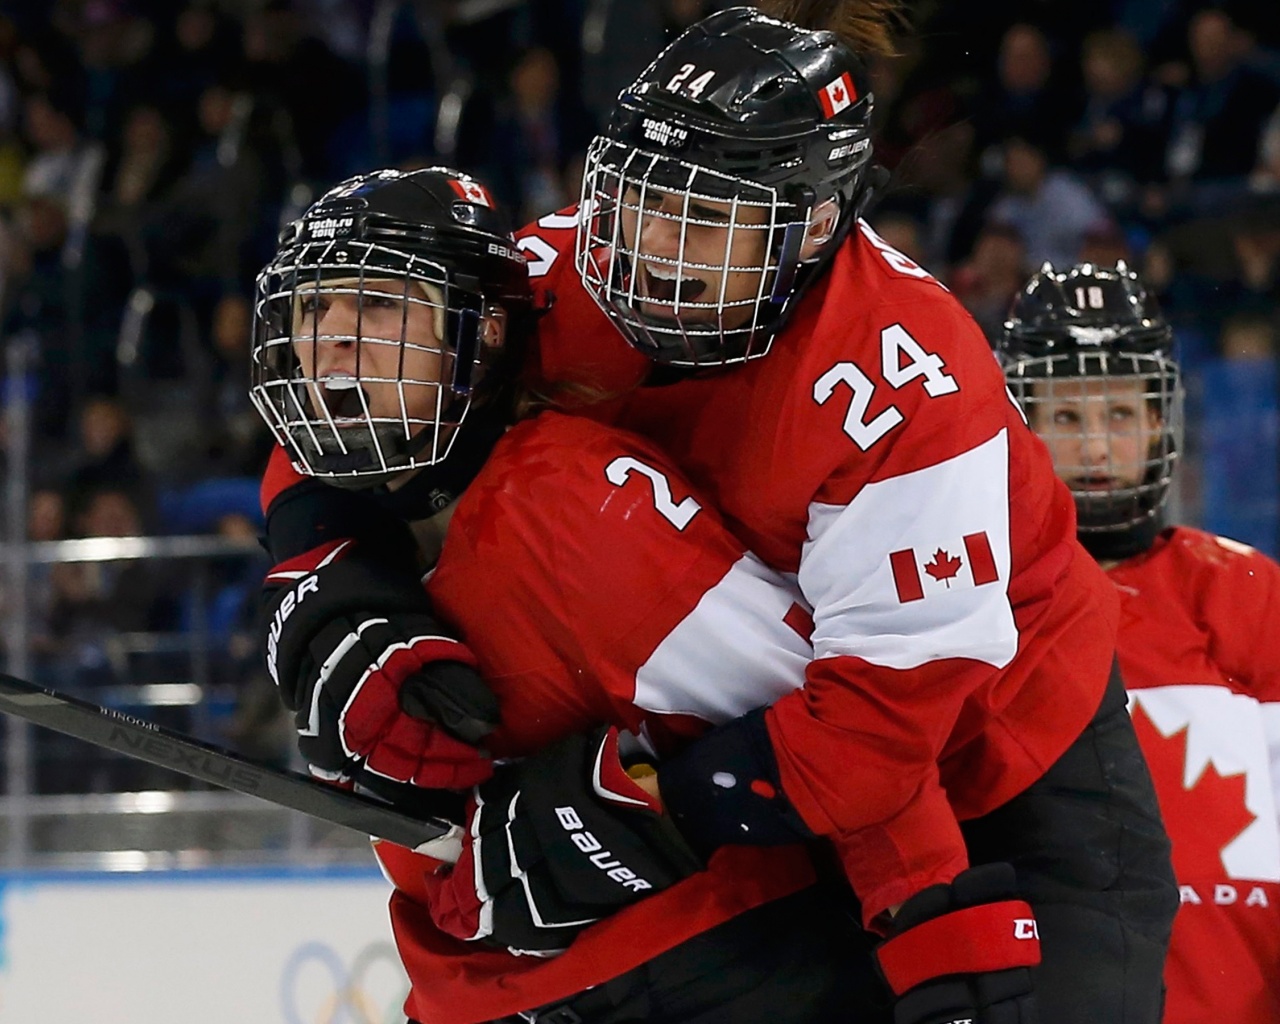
146 741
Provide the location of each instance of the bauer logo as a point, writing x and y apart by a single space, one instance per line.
586 841
847 150
664 133
330 228
1093 335
506 252
291 600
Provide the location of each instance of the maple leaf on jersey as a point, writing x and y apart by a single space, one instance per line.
943 568
1202 818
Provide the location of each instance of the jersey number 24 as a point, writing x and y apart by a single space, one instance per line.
895 343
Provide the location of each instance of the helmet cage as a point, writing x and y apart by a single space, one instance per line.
1123 489
363 427
626 189
763 121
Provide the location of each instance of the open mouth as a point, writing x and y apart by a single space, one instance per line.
666 284
1094 482
343 397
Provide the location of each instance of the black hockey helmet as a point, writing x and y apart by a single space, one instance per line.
1095 333
430 244
745 124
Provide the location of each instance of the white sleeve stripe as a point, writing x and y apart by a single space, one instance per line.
733 652
916 567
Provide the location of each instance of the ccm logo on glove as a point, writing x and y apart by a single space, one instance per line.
964 952
596 852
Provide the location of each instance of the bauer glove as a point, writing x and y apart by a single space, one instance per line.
554 843
382 696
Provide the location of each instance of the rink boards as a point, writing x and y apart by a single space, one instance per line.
279 946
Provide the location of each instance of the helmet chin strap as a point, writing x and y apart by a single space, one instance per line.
875 180
1125 542
431 488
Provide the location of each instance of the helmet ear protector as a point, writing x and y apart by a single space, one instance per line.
728 148
1088 356
380 316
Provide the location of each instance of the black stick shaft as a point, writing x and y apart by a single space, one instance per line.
146 741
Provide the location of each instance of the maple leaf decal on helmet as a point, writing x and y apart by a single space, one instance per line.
943 568
1213 804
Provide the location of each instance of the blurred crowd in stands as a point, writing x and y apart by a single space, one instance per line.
150 150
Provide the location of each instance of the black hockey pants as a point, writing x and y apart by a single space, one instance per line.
1091 856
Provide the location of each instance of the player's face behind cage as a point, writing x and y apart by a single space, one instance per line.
355 367
738 155
385 309
686 258
1113 437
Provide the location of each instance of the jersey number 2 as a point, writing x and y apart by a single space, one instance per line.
895 343
678 514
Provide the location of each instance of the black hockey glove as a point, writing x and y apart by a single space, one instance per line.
382 696
724 789
962 953
554 843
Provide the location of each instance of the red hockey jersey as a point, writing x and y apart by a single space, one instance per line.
594 587
962 637
1200 650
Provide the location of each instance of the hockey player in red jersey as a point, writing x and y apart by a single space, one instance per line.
1090 358
846 416
956 738
580 577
